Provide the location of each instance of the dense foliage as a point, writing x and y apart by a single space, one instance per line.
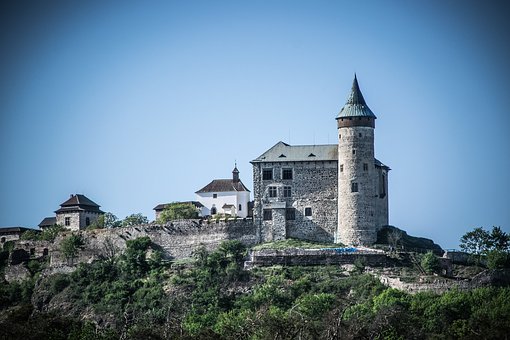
178 211
139 295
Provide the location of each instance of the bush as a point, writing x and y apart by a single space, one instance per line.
430 263
497 259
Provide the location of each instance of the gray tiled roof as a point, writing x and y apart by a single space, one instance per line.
223 185
48 222
283 152
356 105
79 202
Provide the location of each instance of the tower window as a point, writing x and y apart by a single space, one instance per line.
290 214
87 221
354 187
339 136
353 151
267 214
267 174
240 207
341 168
272 191
287 192
287 174
308 211
365 167
67 221
360 134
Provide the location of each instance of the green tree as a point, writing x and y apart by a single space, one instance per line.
475 241
498 240
134 219
430 263
71 245
498 259
107 220
177 211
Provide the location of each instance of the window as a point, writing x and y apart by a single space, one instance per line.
3 240
67 221
308 211
353 151
290 214
268 214
213 211
272 192
267 174
360 134
341 168
32 251
354 187
87 221
287 192
240 207
214 195
287 174
365 167
45 252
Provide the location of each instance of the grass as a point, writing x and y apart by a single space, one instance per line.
294 243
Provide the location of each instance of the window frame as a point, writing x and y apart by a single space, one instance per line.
267 171
272 191
287 191
67 221
354 187
267 214
290 214
308 212
287 171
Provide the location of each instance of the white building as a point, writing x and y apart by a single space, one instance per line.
225 196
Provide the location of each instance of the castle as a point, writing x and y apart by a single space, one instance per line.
327 193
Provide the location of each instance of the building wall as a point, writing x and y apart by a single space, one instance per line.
230 197
313 185
78 219
381 198
356 210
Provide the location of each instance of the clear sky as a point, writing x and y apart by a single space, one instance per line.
137 103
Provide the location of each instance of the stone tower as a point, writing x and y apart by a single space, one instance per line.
357 221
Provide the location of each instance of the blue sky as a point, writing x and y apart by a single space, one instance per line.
139 103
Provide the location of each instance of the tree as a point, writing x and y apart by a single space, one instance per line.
475 241
176 211
70 246
498 240
134 219
430 263
107 220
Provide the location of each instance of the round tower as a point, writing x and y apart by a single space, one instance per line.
356 172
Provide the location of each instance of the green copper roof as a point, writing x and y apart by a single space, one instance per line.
356 105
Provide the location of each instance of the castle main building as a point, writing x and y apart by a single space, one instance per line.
324 193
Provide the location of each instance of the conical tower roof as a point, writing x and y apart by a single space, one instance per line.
356 105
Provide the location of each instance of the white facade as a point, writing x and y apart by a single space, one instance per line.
216 200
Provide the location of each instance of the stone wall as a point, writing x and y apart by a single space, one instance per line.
313 186
314 257
177 239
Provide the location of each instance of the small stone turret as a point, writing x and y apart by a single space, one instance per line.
356 172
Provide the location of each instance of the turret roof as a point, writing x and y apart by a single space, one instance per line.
356 105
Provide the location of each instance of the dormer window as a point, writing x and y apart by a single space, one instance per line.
282 156
311 155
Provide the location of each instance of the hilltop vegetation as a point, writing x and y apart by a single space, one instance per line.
139 295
